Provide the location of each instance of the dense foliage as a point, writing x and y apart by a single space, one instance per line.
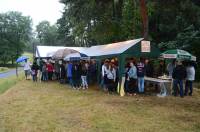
15 33
171 23
47 34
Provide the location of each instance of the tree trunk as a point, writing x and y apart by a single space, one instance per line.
145 23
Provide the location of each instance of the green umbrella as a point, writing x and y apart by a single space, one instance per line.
178 54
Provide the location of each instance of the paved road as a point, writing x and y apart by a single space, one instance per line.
10 73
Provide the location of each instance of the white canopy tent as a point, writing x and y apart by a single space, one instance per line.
48 51
99 50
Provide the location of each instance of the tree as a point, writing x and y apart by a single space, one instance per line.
15 32
47 33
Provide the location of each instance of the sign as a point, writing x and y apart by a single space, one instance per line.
145 46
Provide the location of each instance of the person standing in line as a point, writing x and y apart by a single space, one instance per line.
92 72
69 73
178 75
76 75
140 75
50 70
189 79
34 70
62 72
44 72
170 67
27 69
111 78
132 80
57 70
84 73
104 71
127 68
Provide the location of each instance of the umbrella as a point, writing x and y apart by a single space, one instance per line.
60 54
178 54
75 56
21 59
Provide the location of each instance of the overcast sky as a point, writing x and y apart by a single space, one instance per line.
38 10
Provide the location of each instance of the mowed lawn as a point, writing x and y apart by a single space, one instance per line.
51 107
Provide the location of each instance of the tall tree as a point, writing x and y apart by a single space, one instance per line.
47 33
15 32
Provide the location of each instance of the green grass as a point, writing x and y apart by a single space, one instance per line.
51 107
6 83
3 69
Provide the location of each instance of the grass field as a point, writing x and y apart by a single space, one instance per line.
6 83
51 107
3 69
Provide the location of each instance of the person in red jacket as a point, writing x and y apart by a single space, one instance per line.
50 70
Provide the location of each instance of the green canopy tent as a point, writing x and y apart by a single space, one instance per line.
178 54
122 50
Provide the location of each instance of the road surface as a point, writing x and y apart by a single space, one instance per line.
10 73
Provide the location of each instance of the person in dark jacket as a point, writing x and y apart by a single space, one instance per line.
140 75
62 73
34 70
84 73
76 75
179 74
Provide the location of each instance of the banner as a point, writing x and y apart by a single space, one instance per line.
145 46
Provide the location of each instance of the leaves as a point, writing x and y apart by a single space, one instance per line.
15 32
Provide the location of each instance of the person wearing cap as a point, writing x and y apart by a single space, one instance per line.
178 75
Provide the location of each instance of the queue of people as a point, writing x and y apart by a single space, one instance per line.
80 74
76 73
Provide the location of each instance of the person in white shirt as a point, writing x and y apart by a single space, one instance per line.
111 75
189 79
27 69
104 71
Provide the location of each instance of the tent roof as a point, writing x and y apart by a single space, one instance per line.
99 50
113 48
47 51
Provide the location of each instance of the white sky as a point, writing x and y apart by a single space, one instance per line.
38 10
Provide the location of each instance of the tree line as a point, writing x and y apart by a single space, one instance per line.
170 24
167 24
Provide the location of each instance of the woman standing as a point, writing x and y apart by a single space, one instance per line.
84 73
132 80
50 71
111 78
76 75
189 79
34 70
44 72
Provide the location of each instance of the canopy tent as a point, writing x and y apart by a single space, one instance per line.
48 51
120 50
62 53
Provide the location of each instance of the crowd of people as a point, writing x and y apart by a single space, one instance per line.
76 73
80 74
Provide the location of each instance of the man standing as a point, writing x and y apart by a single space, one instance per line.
189 79
140 75
179 74
27 69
